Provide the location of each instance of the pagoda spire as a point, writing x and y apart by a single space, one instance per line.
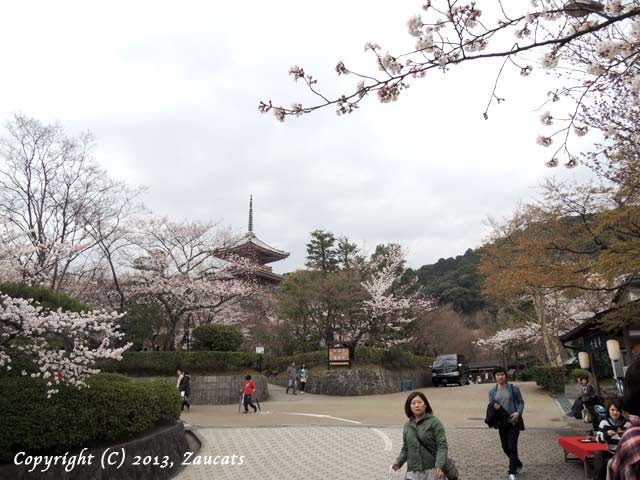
250 213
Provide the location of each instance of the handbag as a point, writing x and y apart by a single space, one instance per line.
450 468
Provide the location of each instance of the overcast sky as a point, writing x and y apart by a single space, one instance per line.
171 91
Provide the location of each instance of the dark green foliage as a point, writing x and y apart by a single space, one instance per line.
550 378
576 373
217 338
321 252
138 323
113 408
455 281
166 363
395 358
274 365
45 297
526 375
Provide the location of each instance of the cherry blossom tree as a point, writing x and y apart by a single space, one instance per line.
391 300
57 205
592 45
555 313
369 299
29 331
184 269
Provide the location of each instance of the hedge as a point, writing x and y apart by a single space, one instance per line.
393 358
166 363
113 408
550 378
217 337
576 373
45 297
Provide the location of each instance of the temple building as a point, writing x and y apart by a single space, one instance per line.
260 253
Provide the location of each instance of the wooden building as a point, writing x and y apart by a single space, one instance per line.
258 252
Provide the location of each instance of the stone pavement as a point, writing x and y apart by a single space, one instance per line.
340 447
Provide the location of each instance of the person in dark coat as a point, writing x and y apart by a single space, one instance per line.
185 390
587 393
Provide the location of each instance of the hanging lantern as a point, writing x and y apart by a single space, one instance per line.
613 349
583 359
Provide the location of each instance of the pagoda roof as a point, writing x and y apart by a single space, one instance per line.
251 246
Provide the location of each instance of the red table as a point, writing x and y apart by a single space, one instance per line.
583 451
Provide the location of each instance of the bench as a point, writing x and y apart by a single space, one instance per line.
581 450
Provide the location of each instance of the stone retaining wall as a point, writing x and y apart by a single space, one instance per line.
357 381
164 445
220 389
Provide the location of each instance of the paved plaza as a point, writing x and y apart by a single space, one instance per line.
319 437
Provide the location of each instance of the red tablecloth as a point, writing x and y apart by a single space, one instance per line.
581 450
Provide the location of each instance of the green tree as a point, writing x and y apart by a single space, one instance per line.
315 305
140 323
217 337
321 252
347 254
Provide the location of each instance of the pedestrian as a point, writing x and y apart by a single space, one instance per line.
292 374
587 394
424 442
610 431
180 374
507 396
303 376
626 461
247 390
184 385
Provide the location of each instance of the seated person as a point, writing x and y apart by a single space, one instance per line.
609 431
586 395
626 461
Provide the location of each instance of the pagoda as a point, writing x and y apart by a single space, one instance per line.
258 252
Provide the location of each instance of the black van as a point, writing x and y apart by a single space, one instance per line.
449 368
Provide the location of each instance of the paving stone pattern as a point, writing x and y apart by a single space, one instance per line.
346 452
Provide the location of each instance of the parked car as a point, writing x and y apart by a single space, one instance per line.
449 368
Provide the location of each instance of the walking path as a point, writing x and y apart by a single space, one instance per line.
319 437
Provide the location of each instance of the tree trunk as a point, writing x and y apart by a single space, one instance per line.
551 347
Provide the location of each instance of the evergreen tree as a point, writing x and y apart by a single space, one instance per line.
321 252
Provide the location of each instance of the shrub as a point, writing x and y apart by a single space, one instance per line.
576 373
45 297
550 378
394 359
526 374
166 363
113 408
217 338
275 365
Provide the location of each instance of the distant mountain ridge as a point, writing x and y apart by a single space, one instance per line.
455 282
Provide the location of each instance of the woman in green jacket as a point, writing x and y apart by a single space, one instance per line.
424 443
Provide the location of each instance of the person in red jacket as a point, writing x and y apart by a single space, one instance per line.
248 389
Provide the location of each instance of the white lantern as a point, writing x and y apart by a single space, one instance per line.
613 349
583 360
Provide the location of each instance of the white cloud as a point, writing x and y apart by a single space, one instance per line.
171 93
